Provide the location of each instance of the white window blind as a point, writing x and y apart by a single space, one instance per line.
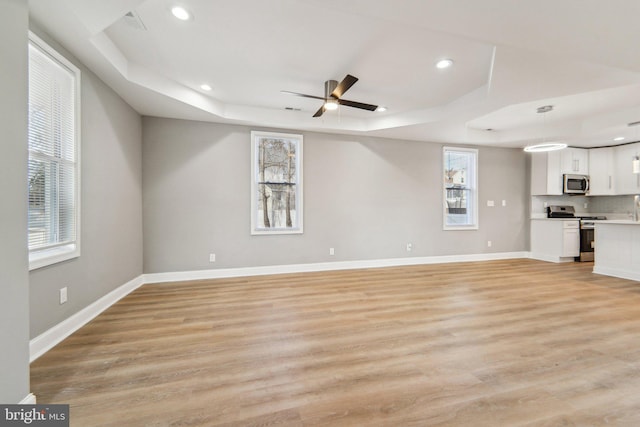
53 156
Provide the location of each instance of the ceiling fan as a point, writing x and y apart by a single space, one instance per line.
333 92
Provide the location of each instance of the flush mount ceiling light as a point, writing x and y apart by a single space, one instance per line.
444 63
619 138
381 109
181 13
205 87
545 146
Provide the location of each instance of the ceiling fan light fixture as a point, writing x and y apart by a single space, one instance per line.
181 13
331 104
444 63
547 146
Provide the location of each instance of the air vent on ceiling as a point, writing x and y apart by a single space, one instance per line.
133 19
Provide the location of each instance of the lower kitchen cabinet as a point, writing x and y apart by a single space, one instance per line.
555 240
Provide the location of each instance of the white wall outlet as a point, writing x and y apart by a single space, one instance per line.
545 204
332 251
490 203
212 257
409 247
63 295
504 203
586 205
489 243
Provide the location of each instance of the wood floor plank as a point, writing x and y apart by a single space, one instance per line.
514 342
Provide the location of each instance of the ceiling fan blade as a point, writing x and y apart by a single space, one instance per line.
344 86
301 94
320 111
355 104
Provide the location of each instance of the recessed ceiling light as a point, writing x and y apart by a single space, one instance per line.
444 63
181 13
549 146
619 138
205 87
381 109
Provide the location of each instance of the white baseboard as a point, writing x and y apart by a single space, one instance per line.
617 272
29 400
48 339
323 266
548 258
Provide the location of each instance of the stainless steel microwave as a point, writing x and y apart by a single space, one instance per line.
575 184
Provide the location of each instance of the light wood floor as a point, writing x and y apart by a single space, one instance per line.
504 343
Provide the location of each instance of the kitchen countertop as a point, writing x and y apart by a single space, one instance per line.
617 221
555 219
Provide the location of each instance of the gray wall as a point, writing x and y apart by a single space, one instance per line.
366 197
14 286
111 208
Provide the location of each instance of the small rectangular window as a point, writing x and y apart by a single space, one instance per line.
53 137
460 188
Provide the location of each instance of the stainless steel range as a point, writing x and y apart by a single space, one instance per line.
587 229
587 237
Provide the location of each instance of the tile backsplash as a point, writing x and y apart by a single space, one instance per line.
611 204
616 207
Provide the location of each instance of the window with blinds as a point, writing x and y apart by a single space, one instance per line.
53 137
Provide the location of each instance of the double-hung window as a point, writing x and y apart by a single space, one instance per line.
460 188
54 173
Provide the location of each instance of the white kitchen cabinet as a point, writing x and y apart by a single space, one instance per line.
617 251
602 171
546 178
626 181
570 239
555 240
547 169
574 161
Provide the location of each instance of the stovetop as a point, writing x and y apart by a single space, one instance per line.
570 212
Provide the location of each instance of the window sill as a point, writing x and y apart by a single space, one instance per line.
459 227
45 257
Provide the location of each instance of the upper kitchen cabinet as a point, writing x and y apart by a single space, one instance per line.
626 181
602 166
547 169
546 175
574 161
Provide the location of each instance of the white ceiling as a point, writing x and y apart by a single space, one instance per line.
511 57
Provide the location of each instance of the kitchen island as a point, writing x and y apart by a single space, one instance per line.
617 249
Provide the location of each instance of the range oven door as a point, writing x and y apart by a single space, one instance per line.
587 239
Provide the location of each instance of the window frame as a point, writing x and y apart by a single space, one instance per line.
53 254
472 188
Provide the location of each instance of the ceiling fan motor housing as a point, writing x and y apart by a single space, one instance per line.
329 87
